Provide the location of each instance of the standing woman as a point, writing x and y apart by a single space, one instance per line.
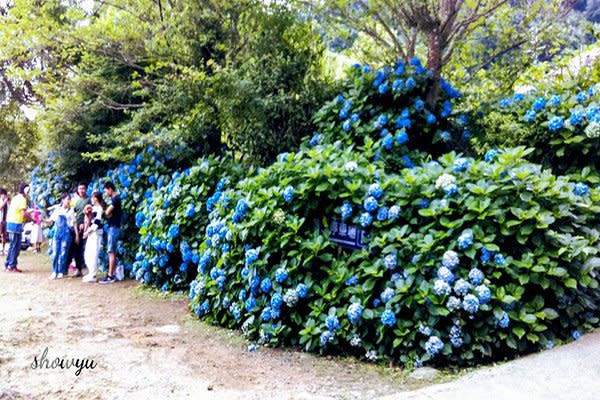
3 210
93 235
64 232
16 216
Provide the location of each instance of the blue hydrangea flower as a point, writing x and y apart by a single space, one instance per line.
250 304
460 164
346 126
424 330
530 116
371 204
301 290
354 117
375 190
581 189
326 337
504 103
276 301
332 323
504 320
419 104
445 274
388 318
471 304
555 123
381 121
346 210
491 155
251 256
499 259
281 275
388 142
347 105
433 345
383 88
340 99
486 255
382 213
343 114
365 219
465 240
476 276
266 285
411 83
576 335
549 344
390 261
441 287
538 104
315 139
581 97
462 287
456 336
288 193
401 137
576 117
353 280
397 85
483 293
554 100
265 315
354 312
453 303
394 212
450 259
451 189
387 295
430 119
445 136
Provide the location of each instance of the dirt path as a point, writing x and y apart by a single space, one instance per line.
148 347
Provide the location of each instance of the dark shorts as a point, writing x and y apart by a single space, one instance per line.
3 233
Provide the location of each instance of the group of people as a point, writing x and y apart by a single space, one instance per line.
78 230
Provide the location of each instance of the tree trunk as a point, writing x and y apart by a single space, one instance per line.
434 63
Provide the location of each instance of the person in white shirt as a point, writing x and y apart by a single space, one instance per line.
92 232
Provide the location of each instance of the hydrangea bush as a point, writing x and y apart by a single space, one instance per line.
562 124
172 219
465 260
388 106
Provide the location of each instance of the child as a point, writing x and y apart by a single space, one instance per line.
36 230
93 233
64 219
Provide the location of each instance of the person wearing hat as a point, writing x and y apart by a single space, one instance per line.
16 216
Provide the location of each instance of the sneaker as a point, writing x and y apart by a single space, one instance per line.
59 276
53 276
108 279
77 274
89 278
15 269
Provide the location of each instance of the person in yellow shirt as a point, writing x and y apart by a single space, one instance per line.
16 216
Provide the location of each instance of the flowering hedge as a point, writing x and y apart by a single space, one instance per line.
388 107
172 219
466 260
562 124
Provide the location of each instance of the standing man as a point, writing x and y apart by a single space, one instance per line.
15 218
3 212
114 214
78 245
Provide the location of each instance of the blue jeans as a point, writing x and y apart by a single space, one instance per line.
13 250
113 239
61 246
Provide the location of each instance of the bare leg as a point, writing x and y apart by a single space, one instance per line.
111 264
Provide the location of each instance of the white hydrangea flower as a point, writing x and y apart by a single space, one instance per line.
351 166
444 181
